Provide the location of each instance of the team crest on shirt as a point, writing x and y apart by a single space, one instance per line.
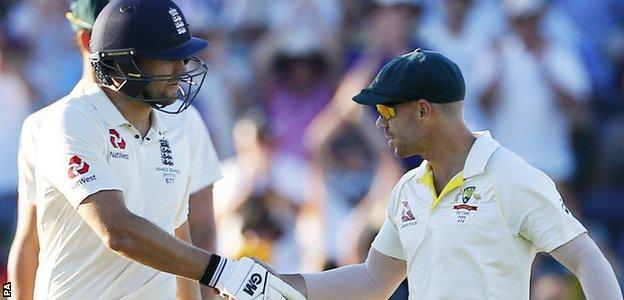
166 154
407 217
168 171
466 202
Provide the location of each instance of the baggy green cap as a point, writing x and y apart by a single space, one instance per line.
82 13
420 74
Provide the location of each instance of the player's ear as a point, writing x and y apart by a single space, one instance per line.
83 38
424 108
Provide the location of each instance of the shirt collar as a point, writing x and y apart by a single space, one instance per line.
112 116
480 153
81 87
158 123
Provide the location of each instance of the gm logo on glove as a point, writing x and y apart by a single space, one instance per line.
252 284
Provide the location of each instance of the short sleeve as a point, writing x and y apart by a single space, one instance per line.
387 240
535 210
26 157
72 155
205 168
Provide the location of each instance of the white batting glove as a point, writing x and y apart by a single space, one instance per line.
250 280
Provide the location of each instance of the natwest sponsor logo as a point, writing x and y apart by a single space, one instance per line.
84 180
116 140
119 155
77 167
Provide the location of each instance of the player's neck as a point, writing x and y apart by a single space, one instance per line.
136 113
449 154
88 76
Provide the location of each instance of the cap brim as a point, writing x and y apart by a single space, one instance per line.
186 50
368 97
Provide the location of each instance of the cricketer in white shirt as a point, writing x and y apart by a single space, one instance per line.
479 237
85 146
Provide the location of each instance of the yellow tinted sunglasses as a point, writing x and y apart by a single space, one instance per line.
386 112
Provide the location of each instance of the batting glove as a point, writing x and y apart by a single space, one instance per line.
249 280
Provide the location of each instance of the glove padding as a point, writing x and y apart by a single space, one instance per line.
250 280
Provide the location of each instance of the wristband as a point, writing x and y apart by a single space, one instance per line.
213 271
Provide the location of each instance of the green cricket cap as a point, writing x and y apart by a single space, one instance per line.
82 13
420 74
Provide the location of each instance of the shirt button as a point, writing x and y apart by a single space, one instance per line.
136 136
147 139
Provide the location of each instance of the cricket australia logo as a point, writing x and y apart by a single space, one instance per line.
177 20
465 201
165 153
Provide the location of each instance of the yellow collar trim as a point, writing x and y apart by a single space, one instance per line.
455 182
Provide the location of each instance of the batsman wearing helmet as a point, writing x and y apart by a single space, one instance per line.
23 259
114 174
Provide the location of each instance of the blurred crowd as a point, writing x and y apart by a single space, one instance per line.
306 173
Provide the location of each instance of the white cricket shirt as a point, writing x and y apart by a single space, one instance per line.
204 172
27 152
85 146
478 239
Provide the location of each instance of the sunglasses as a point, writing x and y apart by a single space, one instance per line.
386 112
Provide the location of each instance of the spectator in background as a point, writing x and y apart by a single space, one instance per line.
601 25
229 88
343 194
349 176
603 202
55 64
298 86
389 30
16 102
460 31
247 196
534 92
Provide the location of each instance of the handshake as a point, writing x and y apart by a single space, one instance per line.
246 279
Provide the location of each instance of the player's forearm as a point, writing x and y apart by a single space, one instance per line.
597 278
349 282
376 278
201 219
142 241
23 256
187 289
22 266
586 261
599 281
